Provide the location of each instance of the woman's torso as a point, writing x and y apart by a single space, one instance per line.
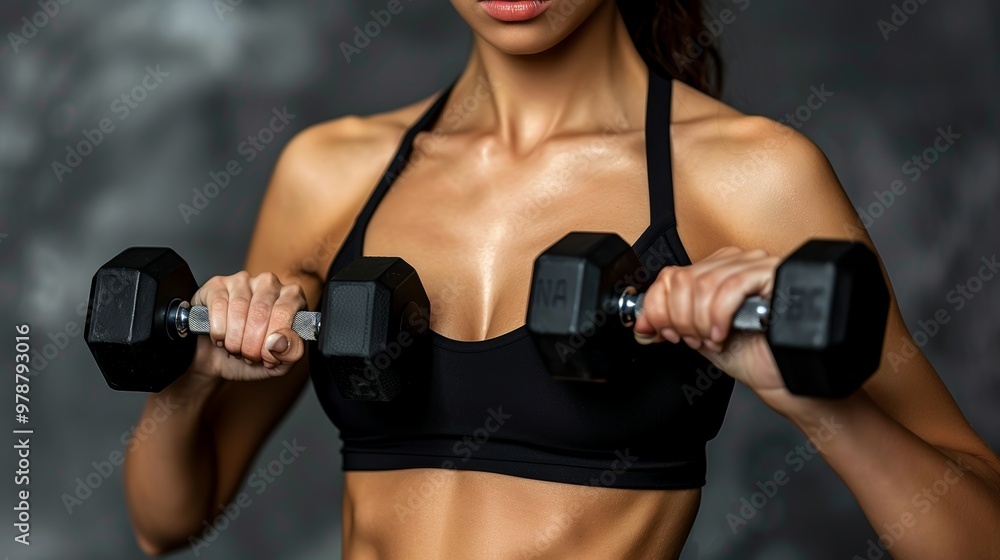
471 218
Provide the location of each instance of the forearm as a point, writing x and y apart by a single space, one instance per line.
170 467
932 503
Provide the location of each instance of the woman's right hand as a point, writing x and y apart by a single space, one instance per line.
250 319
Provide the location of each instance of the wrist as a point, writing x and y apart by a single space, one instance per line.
192 390
822 418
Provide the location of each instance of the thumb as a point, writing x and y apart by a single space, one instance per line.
283 346
644 331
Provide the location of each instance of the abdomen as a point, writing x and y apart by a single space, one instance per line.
446 514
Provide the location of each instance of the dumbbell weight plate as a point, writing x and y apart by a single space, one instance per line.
126 329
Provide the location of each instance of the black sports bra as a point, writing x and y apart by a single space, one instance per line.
492 406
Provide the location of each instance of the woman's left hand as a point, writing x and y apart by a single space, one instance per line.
695 305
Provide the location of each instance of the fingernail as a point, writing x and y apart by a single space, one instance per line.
716 334
671 335
247 360
276 343
219 343
644 339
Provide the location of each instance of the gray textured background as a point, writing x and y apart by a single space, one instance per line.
225 76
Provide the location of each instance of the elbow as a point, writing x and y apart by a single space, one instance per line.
156 547
151 547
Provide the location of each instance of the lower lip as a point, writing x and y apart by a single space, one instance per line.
518 10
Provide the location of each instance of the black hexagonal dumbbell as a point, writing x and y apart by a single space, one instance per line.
825 324
139 322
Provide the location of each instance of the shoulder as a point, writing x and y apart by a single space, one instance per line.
741 154
336 157
755 181
320 183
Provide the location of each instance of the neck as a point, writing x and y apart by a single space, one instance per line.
593 79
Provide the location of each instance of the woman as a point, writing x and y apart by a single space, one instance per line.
559 122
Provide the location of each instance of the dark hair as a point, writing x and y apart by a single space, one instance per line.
666 34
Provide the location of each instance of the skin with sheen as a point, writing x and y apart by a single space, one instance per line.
558 125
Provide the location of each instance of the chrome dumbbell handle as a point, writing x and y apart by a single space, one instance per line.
751 316
184 319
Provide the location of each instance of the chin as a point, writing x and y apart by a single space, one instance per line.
528 27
